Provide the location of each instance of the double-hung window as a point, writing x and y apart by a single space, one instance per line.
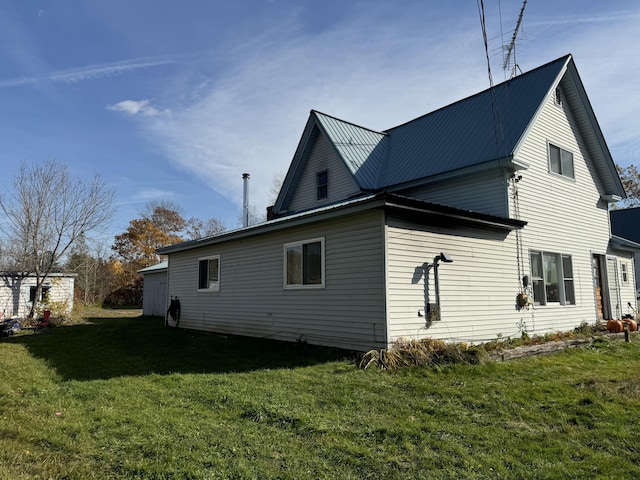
304 264
209 273
560 161
552 278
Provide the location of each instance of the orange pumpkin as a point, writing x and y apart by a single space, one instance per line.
615 326
632 325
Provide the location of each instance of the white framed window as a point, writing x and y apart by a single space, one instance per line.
322 183
304 264
552 278
624 272
209 274
561 161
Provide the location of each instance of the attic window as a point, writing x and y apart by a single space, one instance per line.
322 180
561 161
557 98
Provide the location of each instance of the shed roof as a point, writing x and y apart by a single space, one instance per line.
158 267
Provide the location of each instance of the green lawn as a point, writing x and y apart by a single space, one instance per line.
127 398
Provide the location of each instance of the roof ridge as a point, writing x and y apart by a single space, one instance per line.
504 84
316 112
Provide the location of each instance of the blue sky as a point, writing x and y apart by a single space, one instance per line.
174 100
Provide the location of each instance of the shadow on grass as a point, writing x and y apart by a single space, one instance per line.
114 347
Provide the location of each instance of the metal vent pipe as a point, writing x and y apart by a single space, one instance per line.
245 201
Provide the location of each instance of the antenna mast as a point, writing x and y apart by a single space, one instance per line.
511 49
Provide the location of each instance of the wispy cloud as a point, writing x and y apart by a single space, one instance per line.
573 20
90 72
251 117
135 107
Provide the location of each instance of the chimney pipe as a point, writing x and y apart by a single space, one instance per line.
245 203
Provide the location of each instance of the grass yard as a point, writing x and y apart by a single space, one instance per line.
126 398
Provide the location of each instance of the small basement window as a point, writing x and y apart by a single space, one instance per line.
209 273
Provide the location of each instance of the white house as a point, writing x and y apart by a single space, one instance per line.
17 292
485 218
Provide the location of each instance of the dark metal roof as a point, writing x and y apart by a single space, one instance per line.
478 129
420 211
364 151
625 223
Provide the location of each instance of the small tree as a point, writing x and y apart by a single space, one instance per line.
160 225
631 182
47 211
197 228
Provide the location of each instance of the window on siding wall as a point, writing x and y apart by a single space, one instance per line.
209 273
304 264
44 294
322 179
552 278
624 272
561 161
557 98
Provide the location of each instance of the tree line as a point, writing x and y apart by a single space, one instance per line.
50 216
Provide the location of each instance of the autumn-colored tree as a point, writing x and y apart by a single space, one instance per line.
137 246
161 224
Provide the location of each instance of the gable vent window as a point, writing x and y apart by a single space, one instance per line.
323 184
560 161
557 98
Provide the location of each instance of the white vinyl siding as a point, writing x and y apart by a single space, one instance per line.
154 297
477 290
341 185
562 216
348 312
486 192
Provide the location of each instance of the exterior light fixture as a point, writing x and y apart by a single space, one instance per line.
443 257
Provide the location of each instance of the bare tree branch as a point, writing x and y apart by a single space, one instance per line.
47 211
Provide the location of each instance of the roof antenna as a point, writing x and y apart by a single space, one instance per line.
511 49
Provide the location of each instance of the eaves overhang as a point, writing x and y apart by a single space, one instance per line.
454 215
509 164
620 243
384 200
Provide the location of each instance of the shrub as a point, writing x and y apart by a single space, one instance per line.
129 296
425 352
